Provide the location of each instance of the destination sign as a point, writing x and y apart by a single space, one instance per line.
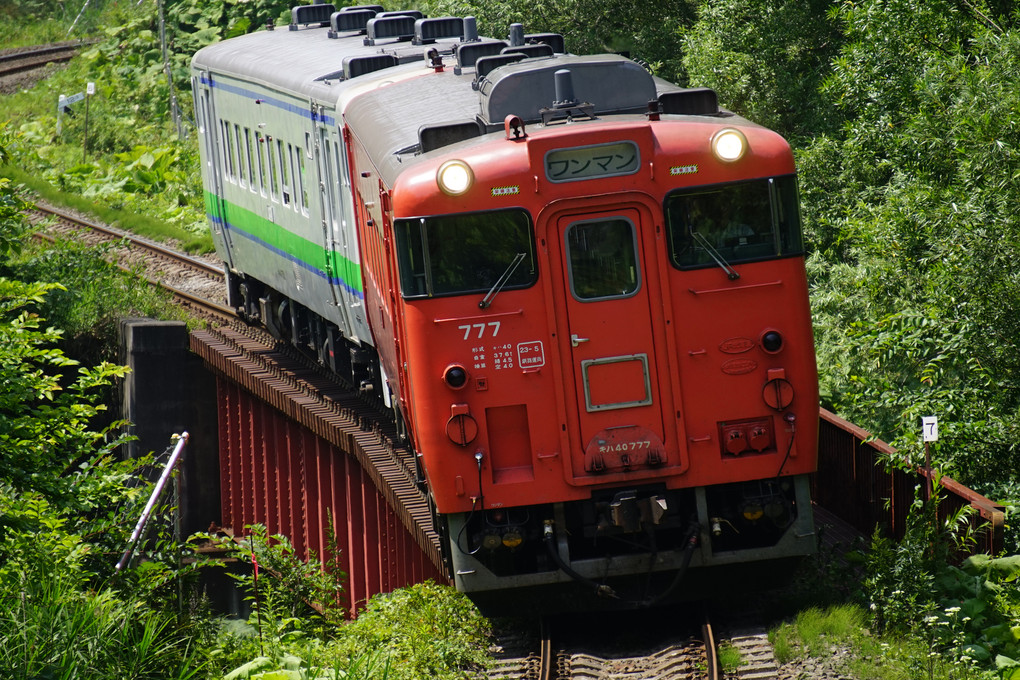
591 162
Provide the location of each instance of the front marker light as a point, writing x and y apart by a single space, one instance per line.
729 145
455 178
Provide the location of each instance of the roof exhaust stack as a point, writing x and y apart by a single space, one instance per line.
564 84
470 29
516 35
565 107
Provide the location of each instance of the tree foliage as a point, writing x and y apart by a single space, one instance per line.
903 117
766 60
642 29
911 212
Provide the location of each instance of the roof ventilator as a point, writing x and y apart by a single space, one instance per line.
349 21
566 105
469 53
431 137
553 40
359 66
486 65
700 101
413 13
381 27
304 15
537 50
427 31
374 8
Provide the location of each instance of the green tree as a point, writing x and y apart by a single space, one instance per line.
910 210
766 60
642 29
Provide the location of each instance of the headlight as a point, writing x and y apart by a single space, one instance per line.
729 145
455 178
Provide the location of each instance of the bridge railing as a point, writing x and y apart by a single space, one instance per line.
854 484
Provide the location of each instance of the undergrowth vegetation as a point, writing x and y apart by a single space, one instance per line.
296 628
68 504
123 159
908 609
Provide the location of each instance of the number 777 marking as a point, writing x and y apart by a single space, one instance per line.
481 329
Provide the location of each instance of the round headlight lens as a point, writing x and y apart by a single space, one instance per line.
729 145
455 177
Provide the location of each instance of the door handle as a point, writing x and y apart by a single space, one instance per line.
575 341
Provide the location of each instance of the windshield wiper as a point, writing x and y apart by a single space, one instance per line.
501 281
714 254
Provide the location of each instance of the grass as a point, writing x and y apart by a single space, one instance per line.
136 175
36 22
730 658
52 629
815 632
128 220
22 33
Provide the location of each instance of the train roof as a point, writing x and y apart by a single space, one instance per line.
408 85
305 62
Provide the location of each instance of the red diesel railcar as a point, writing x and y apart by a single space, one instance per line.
585 290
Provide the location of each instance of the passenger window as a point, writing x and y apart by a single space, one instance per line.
240 155
302 191
271 164
260 146
248 157
284 178
602 259
734 223
228 150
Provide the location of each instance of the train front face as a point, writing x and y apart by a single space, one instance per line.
610 351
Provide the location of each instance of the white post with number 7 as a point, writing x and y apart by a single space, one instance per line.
929 433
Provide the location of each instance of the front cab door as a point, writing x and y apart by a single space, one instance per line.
605 260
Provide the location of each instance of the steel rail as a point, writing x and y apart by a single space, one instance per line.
546 669
37 57
114 234
203 306
713 670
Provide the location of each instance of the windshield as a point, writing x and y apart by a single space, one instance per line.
734 223
465 253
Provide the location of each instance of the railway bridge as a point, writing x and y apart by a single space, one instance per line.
275 442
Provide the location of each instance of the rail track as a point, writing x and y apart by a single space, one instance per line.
650 645
20 60
196 283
